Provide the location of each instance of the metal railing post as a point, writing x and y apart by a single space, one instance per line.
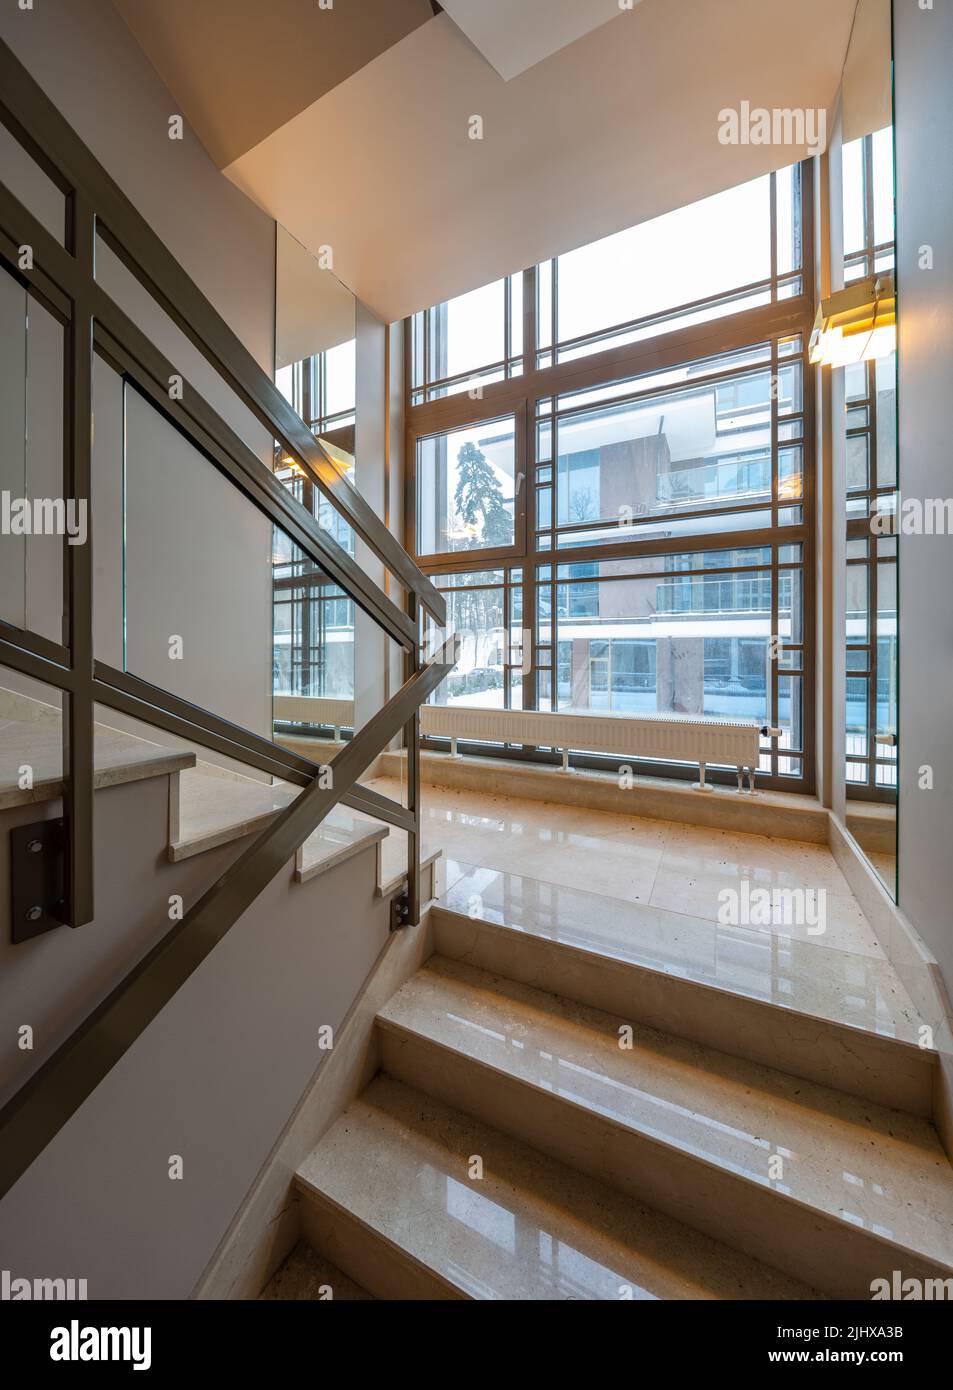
412 739
77 907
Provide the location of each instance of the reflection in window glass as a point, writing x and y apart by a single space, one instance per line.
886 388
854 192
466 488
686 450
340 367
484 609
313 627
881 143
692 643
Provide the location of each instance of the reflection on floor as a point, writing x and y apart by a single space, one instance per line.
652 891
660 864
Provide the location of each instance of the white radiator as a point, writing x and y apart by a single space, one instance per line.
676 737
315 709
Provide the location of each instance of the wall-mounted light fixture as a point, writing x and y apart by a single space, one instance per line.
856 323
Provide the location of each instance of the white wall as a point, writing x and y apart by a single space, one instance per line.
923 58
215 1076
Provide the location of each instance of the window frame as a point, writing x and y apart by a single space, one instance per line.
783 317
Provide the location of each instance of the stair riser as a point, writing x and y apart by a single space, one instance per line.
882 1070
365 1256
833 1256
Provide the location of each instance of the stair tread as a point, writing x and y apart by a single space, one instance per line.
530 1228
858 991
217 806
31 734
880 1169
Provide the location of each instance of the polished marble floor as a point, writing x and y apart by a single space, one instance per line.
673 867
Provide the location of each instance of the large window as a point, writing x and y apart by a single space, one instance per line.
682 634
621 514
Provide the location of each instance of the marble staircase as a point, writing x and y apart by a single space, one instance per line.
583 1103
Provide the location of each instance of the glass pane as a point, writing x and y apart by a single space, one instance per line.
36 517
688 643
855 237
788 185
856 465
707 248
882 161
516 315
887 672
790 721
468 332
466 488
476 611
684 450
544 304
315 339
857 724
13 331
856 603
197 576
886 388
340 380
32 186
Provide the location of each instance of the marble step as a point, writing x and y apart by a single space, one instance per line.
212 806
390 1196
826 1015
834 1190
31 735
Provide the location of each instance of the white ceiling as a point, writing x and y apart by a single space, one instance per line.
617 127
515 36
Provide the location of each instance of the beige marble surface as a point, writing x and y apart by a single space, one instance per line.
856 1165
860 991
661 864
398 1162
306 1277
337 838
34 739
216 806
790 815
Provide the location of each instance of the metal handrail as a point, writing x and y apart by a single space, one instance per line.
55 1092
41 128
63 278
